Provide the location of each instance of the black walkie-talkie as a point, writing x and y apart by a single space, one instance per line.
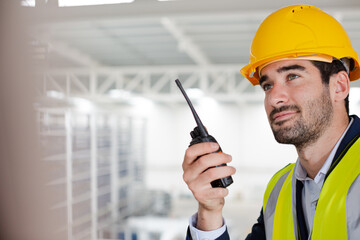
199 134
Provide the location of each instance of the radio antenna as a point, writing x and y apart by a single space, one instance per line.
201 127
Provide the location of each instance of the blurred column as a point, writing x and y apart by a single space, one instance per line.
25 200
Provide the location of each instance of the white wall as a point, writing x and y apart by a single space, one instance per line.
242 131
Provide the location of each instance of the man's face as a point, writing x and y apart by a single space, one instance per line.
297 103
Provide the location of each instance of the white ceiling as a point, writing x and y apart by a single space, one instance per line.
173 34
153 33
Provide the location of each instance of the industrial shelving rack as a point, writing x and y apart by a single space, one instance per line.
96 163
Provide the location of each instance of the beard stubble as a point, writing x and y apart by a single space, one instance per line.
314 117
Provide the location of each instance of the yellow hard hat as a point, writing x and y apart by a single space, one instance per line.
299 31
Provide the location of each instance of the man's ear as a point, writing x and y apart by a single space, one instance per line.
341 85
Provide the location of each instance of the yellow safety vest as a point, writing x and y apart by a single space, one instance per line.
330 215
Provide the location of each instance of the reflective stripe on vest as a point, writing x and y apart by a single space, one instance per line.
273 181
330 215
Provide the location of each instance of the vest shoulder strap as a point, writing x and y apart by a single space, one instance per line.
330 217
330 220
273 182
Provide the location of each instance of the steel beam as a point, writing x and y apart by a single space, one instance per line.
221 82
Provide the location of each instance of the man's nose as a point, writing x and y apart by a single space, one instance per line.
278 95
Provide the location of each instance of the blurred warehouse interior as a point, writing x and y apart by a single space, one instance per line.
94 83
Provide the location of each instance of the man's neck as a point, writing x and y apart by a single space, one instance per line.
314 155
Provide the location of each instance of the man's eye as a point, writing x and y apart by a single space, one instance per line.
292 76
266 87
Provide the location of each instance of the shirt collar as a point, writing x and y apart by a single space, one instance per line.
300 172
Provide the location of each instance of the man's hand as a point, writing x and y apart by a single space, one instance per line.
199 172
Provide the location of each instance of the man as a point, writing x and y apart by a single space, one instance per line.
303 60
